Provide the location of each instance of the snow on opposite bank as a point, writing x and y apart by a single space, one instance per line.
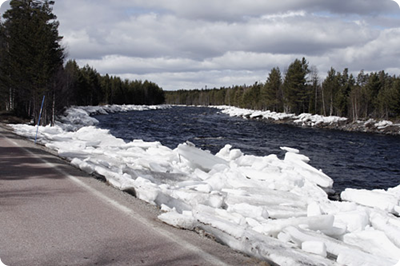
274 209
304 119
309 120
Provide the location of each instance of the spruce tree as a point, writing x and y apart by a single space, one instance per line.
330 88
296 92
272 91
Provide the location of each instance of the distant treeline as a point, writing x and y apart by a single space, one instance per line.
84 86
299 90
32 66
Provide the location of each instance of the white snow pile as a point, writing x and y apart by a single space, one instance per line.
310 120
248 113
379 124
77 117
304 119
383 124
274 209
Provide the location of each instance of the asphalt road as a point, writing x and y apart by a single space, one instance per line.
53 214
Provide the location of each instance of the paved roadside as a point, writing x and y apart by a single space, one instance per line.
53 214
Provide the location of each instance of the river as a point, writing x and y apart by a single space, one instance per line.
352 160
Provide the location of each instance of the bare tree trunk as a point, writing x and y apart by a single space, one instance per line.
53 109
323 102
316 99
11 100
355 110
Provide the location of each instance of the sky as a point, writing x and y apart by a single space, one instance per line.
181 44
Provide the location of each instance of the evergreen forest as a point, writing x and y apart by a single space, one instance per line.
299 90
33 69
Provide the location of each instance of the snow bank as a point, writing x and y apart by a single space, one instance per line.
309 120
79 116
240 112
383 124
271 208
314 120
304 119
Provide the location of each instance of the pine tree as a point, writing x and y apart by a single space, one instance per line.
33 56
71 72
5 95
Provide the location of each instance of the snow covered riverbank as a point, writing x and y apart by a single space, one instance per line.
271 208
319 121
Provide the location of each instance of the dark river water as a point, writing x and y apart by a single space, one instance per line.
352 160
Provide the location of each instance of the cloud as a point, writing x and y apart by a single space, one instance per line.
190 44
236 9
152 35
378 54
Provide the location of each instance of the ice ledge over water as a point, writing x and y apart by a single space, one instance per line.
271 208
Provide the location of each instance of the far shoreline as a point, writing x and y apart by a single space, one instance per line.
306 120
